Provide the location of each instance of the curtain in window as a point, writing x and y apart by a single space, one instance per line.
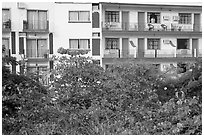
83 16
42 19
74 44
5 44
5 15
31 48
84 44
73 16
32 20
42 48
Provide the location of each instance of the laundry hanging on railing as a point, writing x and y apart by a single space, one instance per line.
171 43
133 45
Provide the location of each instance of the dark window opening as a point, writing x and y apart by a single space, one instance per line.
153 17
153 44
112 16
183 43
112 43
95 6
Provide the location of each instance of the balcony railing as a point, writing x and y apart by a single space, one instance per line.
131 26
6 26
116 53
36 25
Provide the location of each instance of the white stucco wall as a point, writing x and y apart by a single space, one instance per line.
63 30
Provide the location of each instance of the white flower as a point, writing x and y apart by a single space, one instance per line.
165 88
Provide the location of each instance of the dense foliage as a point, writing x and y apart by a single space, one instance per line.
84 99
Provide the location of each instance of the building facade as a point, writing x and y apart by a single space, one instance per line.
145 33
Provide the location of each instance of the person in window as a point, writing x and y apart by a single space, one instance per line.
153 18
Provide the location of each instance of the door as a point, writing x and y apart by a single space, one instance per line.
141 21
125 20
140 53
125 47
197 24
195 47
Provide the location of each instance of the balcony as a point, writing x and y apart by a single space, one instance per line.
131 26
111 53
160 54
36 26
6 26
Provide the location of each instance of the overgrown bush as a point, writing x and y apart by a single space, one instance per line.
126 99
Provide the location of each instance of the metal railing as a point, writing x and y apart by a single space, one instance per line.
116 53
36 25
133 26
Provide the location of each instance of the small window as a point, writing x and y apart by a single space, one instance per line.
184 18
112 43
183 43
112 16
95 6
79 44
153 17
153 43
96 34
79 16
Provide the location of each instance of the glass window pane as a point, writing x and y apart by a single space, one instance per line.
73 16
83 16
31 48
5 15
42 20
74 44
32 20
42 48
84 44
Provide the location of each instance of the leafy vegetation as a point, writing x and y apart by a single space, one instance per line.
126 99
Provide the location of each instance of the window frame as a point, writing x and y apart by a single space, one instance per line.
37 49
112 45
79 44
116 19
187 46
79 21
183 21
153 46
149 15
38 20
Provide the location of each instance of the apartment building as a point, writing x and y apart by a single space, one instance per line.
158 34
145 33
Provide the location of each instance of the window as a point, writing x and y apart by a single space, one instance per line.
79 16
184 18
112 16
95 6
153 17
37 48
6 18
112 43
96 34
153 43
5 15
37 19
183 43
5 46
79 44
